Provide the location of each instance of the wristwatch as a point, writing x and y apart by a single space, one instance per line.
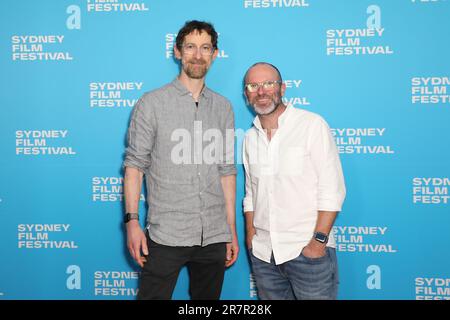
130 216
321 237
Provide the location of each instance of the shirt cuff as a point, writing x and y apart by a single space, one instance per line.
133 164
248 204
227 170
329 206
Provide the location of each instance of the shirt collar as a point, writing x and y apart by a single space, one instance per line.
182 90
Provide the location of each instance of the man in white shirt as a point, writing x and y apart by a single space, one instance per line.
294 190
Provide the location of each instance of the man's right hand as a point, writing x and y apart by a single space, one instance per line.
249 236
137 241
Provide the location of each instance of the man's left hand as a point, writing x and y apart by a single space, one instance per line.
314 250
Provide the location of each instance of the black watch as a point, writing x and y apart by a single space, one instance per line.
130 216
321 237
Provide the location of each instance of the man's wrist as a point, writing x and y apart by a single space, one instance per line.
316 244
133 224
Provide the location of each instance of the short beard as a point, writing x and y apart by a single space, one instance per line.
266 111
195 73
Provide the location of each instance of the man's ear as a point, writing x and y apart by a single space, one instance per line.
215 53
177 52
283 89
246 98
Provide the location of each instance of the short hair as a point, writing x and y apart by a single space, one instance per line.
195 25
263 63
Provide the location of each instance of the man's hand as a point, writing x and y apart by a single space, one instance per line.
232 251
137 241
314 249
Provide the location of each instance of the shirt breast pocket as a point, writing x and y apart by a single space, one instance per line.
294 161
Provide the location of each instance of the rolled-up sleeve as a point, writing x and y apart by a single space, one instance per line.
325 158
227 164
140 136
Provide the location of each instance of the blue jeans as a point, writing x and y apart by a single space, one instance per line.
301 278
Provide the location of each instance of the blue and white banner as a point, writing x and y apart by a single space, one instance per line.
71 71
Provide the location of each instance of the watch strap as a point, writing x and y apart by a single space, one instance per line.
131 216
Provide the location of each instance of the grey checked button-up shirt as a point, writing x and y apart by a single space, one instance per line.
169 139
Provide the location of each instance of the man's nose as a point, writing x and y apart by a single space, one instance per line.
260 90
198 54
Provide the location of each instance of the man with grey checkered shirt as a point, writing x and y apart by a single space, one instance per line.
181 137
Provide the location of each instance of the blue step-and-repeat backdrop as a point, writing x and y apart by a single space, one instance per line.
71 71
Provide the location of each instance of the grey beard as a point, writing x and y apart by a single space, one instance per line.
268 110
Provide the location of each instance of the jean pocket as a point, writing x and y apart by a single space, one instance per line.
319 260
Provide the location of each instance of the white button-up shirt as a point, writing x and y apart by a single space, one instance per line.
288 180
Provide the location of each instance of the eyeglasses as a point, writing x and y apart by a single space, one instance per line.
205 50
266 85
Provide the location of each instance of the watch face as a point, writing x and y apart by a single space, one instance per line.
321 237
